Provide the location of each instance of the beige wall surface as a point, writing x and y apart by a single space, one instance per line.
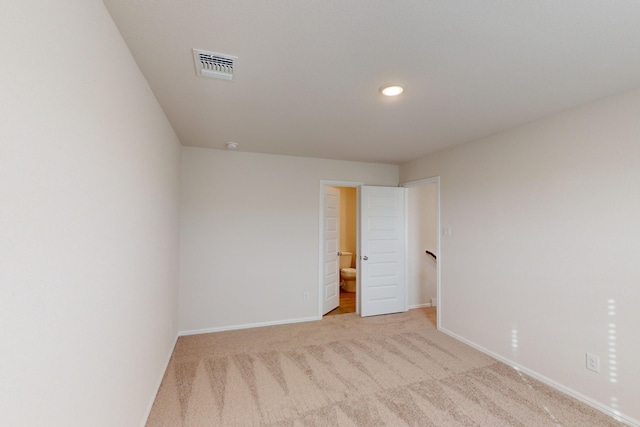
348 221
250 234
541 266
88 222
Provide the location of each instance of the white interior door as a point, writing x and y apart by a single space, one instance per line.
382 260
331 246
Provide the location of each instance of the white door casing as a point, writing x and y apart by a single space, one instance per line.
383 246
330 248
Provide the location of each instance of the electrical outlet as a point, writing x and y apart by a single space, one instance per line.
305 296
593 362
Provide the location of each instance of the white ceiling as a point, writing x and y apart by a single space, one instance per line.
308 71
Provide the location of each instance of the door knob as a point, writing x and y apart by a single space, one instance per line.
339 253
365 258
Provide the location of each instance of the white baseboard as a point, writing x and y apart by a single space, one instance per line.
159 383
246 326
426 304
566 390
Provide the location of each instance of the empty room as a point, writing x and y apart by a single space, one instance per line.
191 191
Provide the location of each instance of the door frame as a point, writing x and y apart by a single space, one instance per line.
357 186
434 180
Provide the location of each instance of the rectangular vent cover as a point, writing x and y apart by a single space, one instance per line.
216 65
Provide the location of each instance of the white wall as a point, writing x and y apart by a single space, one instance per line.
88 222
542 265
249 234
422 236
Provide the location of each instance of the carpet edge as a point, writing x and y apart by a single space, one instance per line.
613 413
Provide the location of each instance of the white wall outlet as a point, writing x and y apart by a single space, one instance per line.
446 231
305 296
593 362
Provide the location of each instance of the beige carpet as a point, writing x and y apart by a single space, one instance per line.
345 370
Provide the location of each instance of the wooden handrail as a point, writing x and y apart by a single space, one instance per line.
432 254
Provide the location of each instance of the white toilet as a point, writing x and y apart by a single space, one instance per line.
347 274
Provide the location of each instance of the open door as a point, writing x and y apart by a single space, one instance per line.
382 260
330 248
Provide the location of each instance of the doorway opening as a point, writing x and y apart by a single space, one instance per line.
347 251
339 248
380 255
423 237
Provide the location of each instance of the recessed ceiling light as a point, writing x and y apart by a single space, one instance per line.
232 145
394 90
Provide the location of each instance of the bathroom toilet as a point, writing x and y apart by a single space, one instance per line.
347 274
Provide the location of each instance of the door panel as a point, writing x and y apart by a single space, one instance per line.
382 262
331 246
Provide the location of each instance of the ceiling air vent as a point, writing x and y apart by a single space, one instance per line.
216 65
